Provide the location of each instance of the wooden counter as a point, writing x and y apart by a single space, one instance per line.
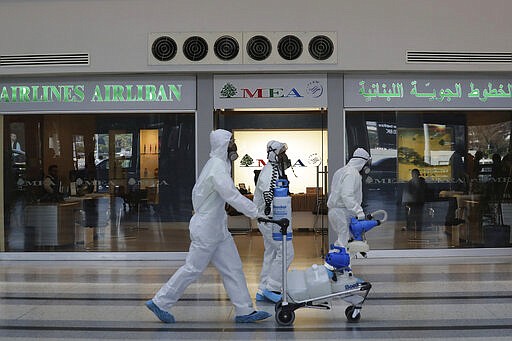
53 223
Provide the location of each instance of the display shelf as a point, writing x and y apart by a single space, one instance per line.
149 162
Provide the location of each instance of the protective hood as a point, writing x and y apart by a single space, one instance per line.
219 141
359 159
273 149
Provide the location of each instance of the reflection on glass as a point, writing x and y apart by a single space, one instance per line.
110 203
465 161
78 152
121 168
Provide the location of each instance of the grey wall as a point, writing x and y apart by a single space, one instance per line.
204 120
373 35
336 129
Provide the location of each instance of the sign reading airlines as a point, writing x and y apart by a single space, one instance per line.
270 91
98 94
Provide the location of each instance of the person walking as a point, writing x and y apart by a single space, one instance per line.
211 242
271 277
416 190
346 196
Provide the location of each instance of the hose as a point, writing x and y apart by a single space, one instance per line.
380 212
268 196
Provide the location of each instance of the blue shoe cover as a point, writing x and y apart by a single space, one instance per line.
272 296
260 297
163 315
252 317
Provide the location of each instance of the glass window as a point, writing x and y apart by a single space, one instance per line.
306 137
99 182
443 177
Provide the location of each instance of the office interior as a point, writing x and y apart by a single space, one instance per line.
126 180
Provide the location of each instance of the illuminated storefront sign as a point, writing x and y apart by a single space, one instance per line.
125 93
307 150
101 93
270 91
461 91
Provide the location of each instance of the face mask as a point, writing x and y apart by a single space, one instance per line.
284 161
366 168
232 148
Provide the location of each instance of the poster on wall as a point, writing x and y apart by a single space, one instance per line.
307 149
427 149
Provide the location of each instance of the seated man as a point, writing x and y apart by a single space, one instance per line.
51 186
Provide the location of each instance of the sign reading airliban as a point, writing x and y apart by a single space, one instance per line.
102 93
120 94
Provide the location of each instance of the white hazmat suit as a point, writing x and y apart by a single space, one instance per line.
271 276
210 238
346 196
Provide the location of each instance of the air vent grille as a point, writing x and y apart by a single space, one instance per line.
53 59
289 47
164 48
226 48
230 48
195 48
259 47
321 47
458 57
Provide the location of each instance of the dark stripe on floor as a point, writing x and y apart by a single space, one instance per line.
263 329
389 297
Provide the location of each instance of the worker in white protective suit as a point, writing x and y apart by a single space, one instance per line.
346 195
271 276
210 238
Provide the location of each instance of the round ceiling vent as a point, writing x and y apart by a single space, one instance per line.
259 48
226 48
195 48
289 47
321 47
164 48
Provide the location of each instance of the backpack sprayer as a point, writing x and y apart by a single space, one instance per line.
358 229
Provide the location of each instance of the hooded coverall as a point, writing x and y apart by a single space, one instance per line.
346 196
271 276
210 238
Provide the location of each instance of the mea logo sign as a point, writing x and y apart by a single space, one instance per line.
248 161
315 89
230 91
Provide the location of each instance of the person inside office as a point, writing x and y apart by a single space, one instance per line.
51 186
18 155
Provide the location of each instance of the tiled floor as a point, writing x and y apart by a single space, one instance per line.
412 299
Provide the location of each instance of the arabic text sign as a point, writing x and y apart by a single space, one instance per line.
422 91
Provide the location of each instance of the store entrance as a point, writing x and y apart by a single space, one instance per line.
305 133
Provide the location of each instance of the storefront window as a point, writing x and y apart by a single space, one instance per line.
306 137
443 177
98 182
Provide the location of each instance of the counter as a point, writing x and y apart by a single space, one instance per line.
53 223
